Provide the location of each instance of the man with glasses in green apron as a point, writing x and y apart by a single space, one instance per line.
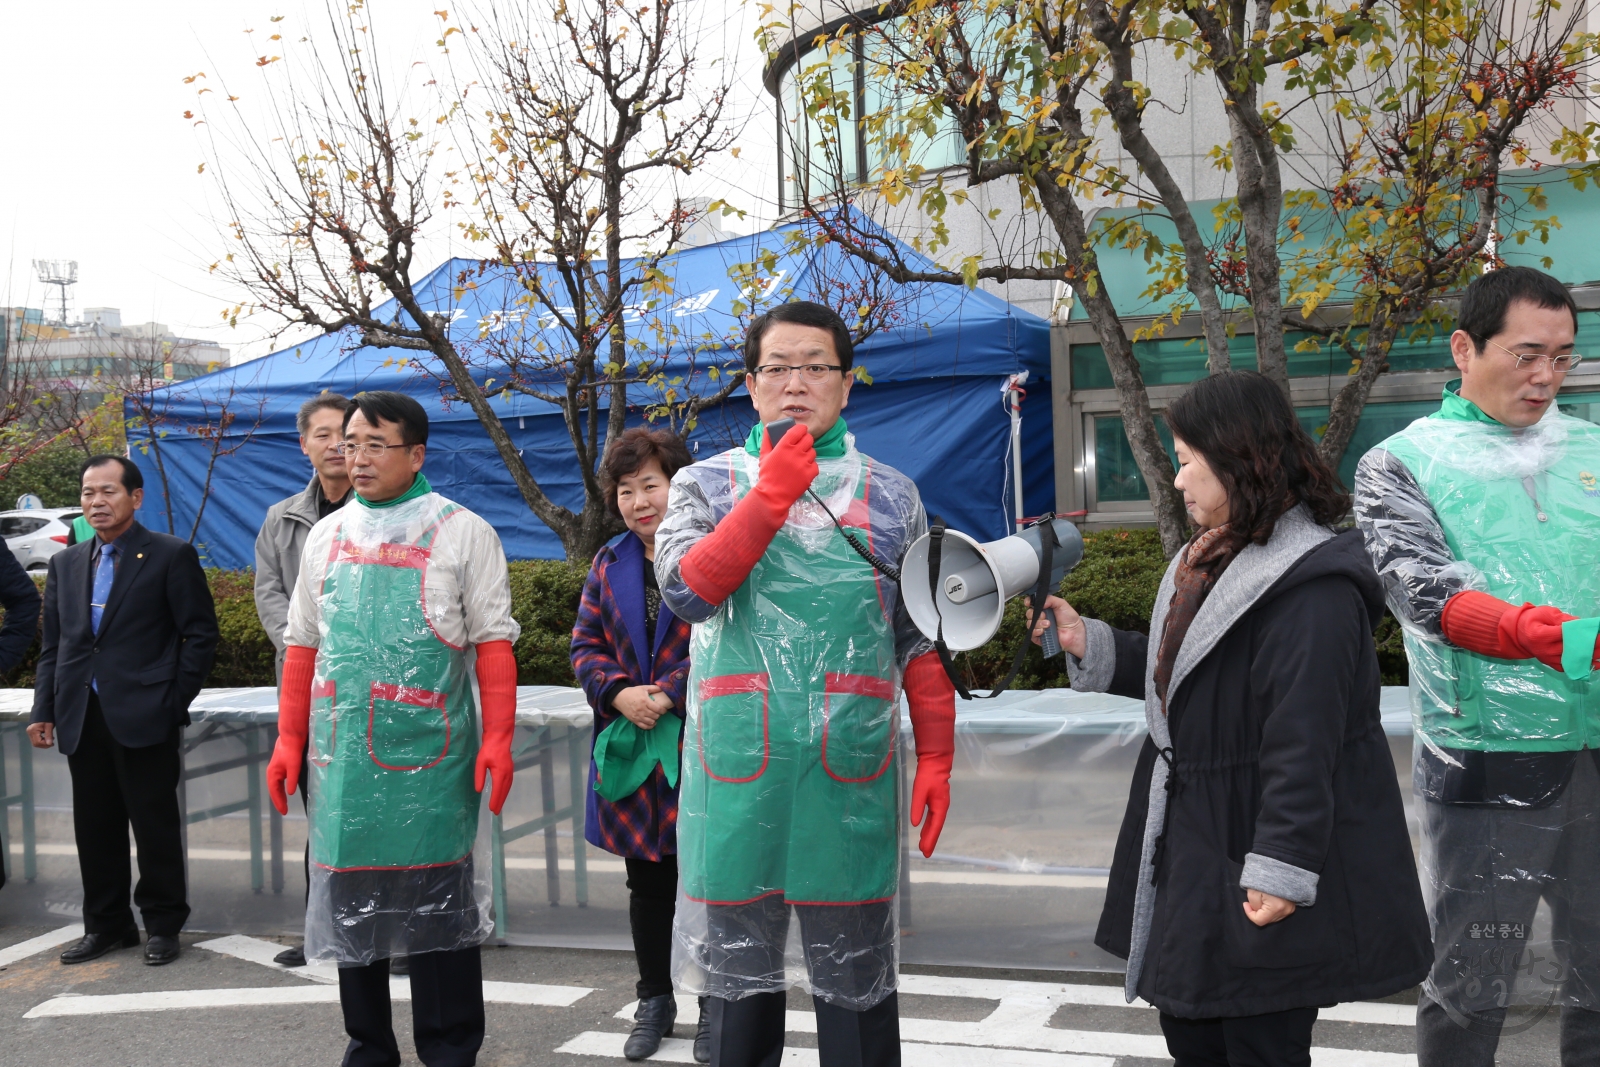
800 648
1483 520
401 594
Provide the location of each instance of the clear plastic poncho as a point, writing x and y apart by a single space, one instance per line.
1504 756
789 805
396 597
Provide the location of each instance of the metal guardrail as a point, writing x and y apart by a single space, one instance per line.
548 717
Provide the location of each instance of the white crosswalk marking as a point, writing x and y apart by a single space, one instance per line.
256 950
23 949
912 1054
323 979
522 993
183 999
1020 1026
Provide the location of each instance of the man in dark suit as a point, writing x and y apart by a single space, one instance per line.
129 635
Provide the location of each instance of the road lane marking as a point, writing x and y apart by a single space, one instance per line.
23 949
1019 1025
547 996
521 993
184 999
1371 1013
1367 1012
681 1050
255 950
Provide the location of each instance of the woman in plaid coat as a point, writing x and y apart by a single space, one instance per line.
631 655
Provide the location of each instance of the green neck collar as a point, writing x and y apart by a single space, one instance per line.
1459 407
829 446
418 488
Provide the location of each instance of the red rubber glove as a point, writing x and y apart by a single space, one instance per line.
497 686
933 723
721 561
1488 625
294 724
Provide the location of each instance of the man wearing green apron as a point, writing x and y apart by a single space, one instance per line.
1483 521
400 595
800 649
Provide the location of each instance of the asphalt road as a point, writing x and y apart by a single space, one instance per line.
220 1006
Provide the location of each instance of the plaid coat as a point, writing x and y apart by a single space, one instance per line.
605 650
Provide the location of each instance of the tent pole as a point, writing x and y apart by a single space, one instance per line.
1014 394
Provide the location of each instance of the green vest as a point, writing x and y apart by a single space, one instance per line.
1523 508
789 781
394 732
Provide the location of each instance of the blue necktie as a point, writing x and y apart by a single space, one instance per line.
103 576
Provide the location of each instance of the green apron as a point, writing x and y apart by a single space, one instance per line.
394 733
788 759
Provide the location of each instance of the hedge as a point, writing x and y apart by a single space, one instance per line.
52 474
1117 582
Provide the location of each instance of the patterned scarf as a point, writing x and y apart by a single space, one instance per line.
1204 559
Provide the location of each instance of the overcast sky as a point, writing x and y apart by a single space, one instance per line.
101 167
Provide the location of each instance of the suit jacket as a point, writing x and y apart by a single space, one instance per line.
20 597
158 637
609 650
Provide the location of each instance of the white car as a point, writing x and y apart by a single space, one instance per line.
34 536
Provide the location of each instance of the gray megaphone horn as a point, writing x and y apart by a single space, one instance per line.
968 598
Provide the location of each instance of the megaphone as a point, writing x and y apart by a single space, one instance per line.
977 578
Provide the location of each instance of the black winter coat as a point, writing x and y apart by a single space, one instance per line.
1277 751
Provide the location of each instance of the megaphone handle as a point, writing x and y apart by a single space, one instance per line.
1047 640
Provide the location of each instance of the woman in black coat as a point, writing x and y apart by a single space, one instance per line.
1263 868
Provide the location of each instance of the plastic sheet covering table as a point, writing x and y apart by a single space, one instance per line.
1040 784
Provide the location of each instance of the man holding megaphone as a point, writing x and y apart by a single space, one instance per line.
777 552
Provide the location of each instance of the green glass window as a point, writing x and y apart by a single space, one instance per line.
1584 406
889 109
1378 422
1116 475
1177 361
1117 478
822 144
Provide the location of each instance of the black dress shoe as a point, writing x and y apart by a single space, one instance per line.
294 956
651 1022
702 1034
159 949
399 965
93 946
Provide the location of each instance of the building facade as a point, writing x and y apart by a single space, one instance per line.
99 357
1095 470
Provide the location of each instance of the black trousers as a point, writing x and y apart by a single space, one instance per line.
652 899
748 1032
113 786
1278 1039
446 1010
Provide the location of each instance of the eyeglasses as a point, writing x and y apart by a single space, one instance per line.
1558 364
815 373
371 451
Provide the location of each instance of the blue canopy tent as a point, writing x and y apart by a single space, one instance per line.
933 407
